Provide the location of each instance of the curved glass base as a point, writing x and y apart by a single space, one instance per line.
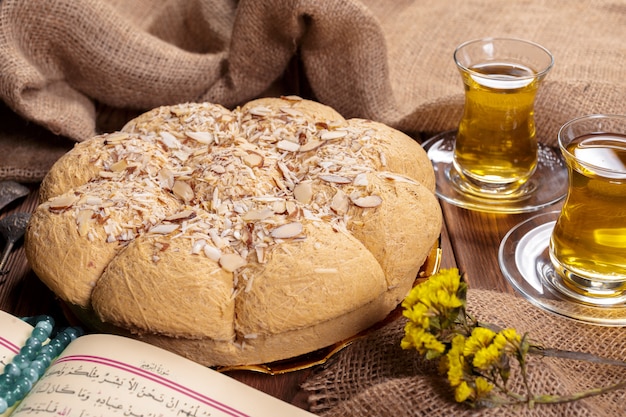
525 262
547 185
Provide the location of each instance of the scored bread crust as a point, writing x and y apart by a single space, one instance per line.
237 237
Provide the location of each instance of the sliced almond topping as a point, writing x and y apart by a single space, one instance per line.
182 215
170 140
253 160
335 179
115 137
287 145
279 206
212 252
260 111
183 190
369 201
291 98
361 180
106 174
340 203
63 201
333 134
166 177
164 229
291 207
218 169
83 219
206 138
231 262
254 215
287 231
310 145
119 166
303 192
93 200
291 111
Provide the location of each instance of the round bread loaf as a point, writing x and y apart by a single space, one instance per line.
237 237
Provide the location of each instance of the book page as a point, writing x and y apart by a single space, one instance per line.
13 335
105 375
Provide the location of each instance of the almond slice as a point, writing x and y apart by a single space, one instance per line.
119 166
115 137
310 145
340 202
206 138
260 111
182 215
183 190
333 134
63 201
369 201
253 160
253 215
170 140
287 145
232 261
335 179
163 229
287 231
291 111
212 252
303 192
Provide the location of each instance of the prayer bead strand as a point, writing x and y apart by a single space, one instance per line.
34 358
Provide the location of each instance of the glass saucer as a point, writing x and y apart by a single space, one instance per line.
525 263
547 186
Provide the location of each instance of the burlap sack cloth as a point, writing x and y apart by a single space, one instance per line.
77 67
375 377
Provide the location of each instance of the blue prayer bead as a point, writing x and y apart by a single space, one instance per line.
63 338
44 359
45 325
3 405
33 342
31 374
29 352
12 370
9 397
38 365
21 361
40 334
6 379
24 384
74 332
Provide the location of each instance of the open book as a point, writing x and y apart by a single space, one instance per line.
106 375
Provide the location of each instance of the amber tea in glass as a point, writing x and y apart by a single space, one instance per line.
588 244
495 151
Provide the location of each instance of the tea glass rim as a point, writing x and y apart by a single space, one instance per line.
568 155
537 75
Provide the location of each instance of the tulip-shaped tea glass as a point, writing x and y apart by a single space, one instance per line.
578 256
488 163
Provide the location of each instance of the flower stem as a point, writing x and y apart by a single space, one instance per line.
555 399
579 356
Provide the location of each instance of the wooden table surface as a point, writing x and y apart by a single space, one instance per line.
470 241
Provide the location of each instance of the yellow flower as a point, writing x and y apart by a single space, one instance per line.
456 361
485 358
483 387
423 341
462 392
480 338
419 314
